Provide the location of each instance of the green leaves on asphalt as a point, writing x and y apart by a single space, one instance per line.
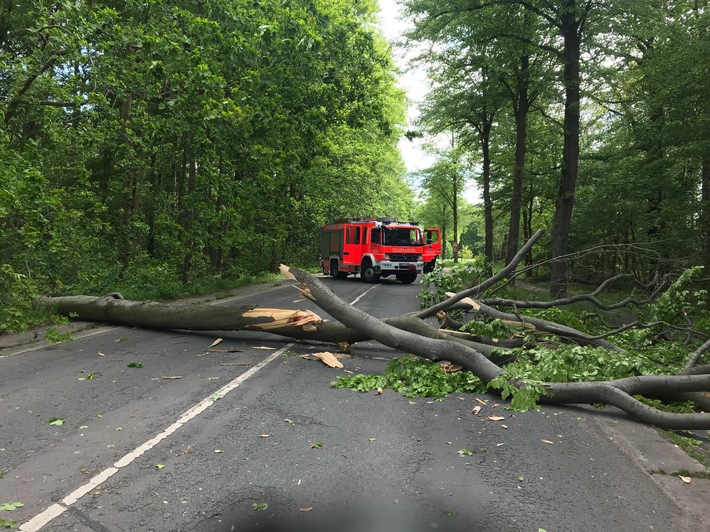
56 421
414 377
8 507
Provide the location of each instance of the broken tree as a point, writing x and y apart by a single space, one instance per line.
411 334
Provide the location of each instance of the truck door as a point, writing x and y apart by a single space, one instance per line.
376 240
432 248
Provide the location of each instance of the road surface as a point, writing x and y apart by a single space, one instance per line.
248 435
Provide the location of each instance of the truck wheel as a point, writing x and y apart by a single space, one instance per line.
368 273
335 273
407 277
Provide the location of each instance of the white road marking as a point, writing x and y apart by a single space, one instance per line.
358 298
78 336
54 511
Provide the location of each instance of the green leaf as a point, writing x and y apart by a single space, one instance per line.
9 506
56 421
135 364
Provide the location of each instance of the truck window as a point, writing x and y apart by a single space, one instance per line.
402 236
375 235
353 235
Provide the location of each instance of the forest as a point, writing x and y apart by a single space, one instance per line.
162 146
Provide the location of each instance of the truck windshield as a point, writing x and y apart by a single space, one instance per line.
402 236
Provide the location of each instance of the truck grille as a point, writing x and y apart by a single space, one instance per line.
403 257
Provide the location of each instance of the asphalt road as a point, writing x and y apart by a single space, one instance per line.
248 435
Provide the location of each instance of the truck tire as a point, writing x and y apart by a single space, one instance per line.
335 273
368 273
407 277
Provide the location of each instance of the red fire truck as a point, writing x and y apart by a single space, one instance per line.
378 247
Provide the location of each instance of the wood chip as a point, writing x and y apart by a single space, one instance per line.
476 410
216 342
495 418
548 442
481 401
685 479
328 359
172 377
309 509
448 367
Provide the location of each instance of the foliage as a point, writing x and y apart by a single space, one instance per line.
490 328
684 301
414 377
454 278
524 394
172 146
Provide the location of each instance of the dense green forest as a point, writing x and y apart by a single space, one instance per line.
162 142
588 119
164 145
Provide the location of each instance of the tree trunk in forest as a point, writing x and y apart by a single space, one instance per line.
571 29
485 134
705 212
188 217
521 105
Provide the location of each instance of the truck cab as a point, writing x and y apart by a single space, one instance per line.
375 248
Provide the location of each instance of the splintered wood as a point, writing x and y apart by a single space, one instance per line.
283 318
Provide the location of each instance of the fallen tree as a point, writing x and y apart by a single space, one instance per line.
486 358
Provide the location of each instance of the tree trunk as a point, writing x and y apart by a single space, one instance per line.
570 150
521 107
487 203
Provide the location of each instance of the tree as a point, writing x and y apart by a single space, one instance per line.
445 182
171 142
410 333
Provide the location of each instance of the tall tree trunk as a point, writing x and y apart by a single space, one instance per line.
705 213
188 218
487 203
455 213
570 150
522 105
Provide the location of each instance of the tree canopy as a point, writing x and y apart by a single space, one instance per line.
589 119
172 141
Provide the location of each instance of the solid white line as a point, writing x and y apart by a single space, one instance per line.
54 511
101 330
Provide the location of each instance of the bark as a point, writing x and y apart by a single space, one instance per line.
571 29
521 105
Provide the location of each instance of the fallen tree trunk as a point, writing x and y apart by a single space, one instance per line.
406 333
298 324
617 393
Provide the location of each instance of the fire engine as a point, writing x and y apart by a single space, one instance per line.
378 247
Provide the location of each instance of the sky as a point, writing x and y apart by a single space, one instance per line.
415 82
